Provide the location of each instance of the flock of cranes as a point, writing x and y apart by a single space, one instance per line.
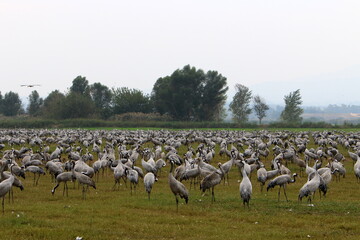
139 156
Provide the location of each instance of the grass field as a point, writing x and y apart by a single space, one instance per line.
108 214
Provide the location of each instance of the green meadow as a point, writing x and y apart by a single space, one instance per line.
118 214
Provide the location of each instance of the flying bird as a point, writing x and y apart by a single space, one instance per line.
30 85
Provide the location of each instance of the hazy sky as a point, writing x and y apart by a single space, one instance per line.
272 47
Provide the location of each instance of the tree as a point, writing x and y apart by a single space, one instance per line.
76 105
240 105
81 86
292 112
11 104
260 107
53 105
35 103
213 97
101 96
130 100
78 102
190 94
161 95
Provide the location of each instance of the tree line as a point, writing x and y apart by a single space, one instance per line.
188 94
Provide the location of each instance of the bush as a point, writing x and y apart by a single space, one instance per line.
141 117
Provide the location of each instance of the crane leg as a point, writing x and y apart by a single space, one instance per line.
177 203
53 190
285 194
124 179
212 195
66 188
84 191
2 204
37 181
279 194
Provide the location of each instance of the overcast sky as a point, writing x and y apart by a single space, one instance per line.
272 47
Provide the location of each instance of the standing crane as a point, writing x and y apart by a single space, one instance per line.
149 180
245 187
309 188
177 188
281 181
211 180
5 187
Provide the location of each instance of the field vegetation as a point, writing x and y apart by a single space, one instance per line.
108 214
29 122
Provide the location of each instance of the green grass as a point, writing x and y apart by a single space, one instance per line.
107 214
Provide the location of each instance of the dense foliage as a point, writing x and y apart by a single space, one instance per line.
292 112
260 107
191 94
240 105
188 94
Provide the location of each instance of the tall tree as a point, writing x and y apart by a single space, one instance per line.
78 102
76 105
292 112
81 86
53 105
35 103
260 107
161 95
190 94
101 96
213 97
240 105
11 104
130 100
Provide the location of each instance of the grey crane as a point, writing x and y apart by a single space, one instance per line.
341 169
63 177
227 167
160 163
353 156
36 171
177 188
149 180
119 173
54 169
281 181
133 177
192 174
149 165
85 181
82 167
262 176
301 163
309 154
357 168
272 173
325 178
16 183
245 188
309 188
211 180
5 187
